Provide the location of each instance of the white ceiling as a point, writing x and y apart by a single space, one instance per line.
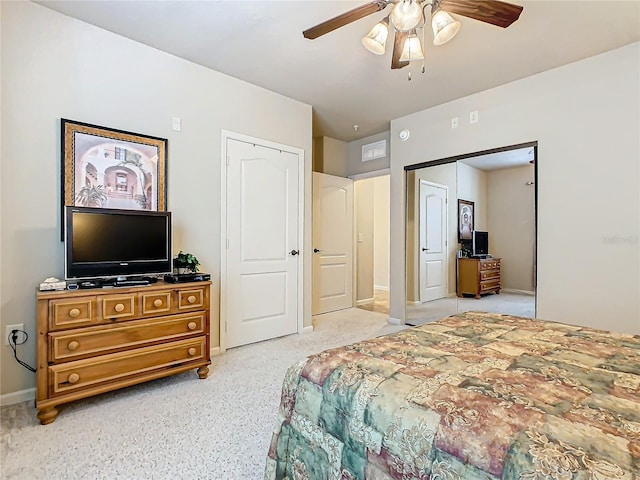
500 160
261 42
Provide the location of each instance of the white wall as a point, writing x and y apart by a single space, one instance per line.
363 192
355 164
333 158
511 225
586 119
472 186
54 66
381 232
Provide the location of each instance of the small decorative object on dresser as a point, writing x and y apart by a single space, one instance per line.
185 262
478 275
91 342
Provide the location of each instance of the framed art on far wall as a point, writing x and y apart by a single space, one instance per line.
108 168
465 220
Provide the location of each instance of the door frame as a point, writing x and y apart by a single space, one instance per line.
229 135
445 234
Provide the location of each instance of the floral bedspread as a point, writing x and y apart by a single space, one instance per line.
471 396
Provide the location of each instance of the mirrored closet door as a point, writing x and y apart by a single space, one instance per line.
470 235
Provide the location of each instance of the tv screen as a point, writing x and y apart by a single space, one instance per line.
107 242
480 243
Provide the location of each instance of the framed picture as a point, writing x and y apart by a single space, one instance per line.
107 168
465 220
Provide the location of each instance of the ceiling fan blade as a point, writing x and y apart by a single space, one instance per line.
495 12
398 44
344 19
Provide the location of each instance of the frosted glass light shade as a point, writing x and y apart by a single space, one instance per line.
406 14
376 39
412 50
444 26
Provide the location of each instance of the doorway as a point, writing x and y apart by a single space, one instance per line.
372 202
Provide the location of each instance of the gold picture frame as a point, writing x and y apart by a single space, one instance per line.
108 168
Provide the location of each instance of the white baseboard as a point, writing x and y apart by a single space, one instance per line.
395 321
307 329
366 301
515 290
381 287
215 351
410 302
18 397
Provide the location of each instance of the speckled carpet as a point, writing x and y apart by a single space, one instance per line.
177 427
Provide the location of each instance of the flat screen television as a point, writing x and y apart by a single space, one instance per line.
102 242
480 243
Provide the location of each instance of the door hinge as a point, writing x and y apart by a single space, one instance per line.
227 161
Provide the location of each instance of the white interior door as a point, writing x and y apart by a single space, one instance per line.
332 243
433 241
263 243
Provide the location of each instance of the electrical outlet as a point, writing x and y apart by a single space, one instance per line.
9 328
454 122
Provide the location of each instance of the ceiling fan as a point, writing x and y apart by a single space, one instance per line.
409 15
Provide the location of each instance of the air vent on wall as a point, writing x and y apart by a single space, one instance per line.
372 151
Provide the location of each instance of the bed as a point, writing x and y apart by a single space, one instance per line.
471 396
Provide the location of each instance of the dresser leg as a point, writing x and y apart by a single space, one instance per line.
477 297
203 372
47 415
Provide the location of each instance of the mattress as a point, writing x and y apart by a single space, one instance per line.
471 396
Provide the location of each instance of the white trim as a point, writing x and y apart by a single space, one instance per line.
375 173
418 302
18 397
516 290
213 351
395 321
229 135
307 329
383 288
366 301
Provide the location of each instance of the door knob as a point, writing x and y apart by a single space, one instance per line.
425 249
294 252
316 250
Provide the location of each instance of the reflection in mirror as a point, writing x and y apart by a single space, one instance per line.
470 236
431 243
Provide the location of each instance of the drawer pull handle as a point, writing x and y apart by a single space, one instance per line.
73 345
119 307
73 378
74 312
192 325
157 303
192 351
191 298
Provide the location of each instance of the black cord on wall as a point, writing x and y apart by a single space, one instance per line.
13 343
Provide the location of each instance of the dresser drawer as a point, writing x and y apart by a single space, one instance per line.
488 274
118 307
80 374
490 285
155 303
72 344
72 313
489 264
191 299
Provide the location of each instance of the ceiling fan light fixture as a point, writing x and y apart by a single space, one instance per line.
444 26
376 39
412 49
406 15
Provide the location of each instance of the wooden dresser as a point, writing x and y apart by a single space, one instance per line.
478 276
96 340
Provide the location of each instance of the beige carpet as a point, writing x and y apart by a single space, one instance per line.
178 427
